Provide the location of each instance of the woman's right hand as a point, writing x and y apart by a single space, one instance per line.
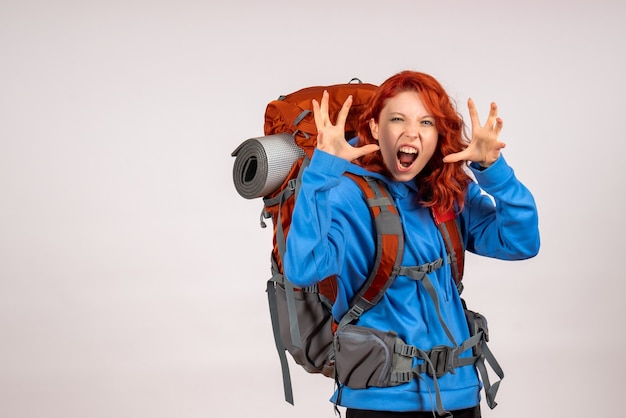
331 138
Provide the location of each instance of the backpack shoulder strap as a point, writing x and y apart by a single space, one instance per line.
450 230
389 246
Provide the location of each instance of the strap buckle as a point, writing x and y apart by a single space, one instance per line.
441 360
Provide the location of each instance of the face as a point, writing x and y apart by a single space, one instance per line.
406 134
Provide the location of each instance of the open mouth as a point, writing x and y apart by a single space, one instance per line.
406 156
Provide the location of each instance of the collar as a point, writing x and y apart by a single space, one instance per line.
401 189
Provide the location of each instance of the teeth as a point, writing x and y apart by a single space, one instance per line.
408 150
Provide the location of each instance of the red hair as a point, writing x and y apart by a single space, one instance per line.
441 184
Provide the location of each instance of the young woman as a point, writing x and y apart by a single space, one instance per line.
412 138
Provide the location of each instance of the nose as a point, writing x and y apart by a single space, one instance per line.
412 130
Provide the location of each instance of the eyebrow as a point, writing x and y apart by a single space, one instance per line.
428 115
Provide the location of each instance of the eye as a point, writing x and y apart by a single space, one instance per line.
396 119
428 122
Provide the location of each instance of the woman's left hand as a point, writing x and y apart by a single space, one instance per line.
484 147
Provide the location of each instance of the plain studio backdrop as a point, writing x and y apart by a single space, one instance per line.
132 274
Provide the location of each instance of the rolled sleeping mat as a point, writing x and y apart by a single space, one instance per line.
262 164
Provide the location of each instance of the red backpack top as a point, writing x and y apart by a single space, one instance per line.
293 114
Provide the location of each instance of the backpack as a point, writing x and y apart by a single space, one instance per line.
270 167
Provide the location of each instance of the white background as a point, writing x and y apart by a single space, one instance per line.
131 272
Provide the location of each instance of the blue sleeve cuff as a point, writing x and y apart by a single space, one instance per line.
328 164
492 176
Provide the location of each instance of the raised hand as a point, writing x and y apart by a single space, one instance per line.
485 146
331 138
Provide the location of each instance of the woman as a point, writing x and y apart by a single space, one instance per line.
412 138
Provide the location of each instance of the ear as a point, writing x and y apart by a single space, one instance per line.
374 129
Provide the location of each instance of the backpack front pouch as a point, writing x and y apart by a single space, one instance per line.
364 357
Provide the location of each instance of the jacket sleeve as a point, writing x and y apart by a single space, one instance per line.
323 216
503 223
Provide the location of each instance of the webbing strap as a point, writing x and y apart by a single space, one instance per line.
284 364
289 290
301 116
294 328
445 358
419 274
389 247
305 163
292 188
441 411
282 196
279 200
490 390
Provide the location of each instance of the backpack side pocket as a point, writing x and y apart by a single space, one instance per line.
364 356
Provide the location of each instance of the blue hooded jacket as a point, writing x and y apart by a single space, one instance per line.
332 233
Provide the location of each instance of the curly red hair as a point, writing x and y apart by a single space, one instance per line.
441 184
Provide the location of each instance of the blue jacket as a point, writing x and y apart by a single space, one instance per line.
331 233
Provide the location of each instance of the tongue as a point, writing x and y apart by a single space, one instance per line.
406 159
